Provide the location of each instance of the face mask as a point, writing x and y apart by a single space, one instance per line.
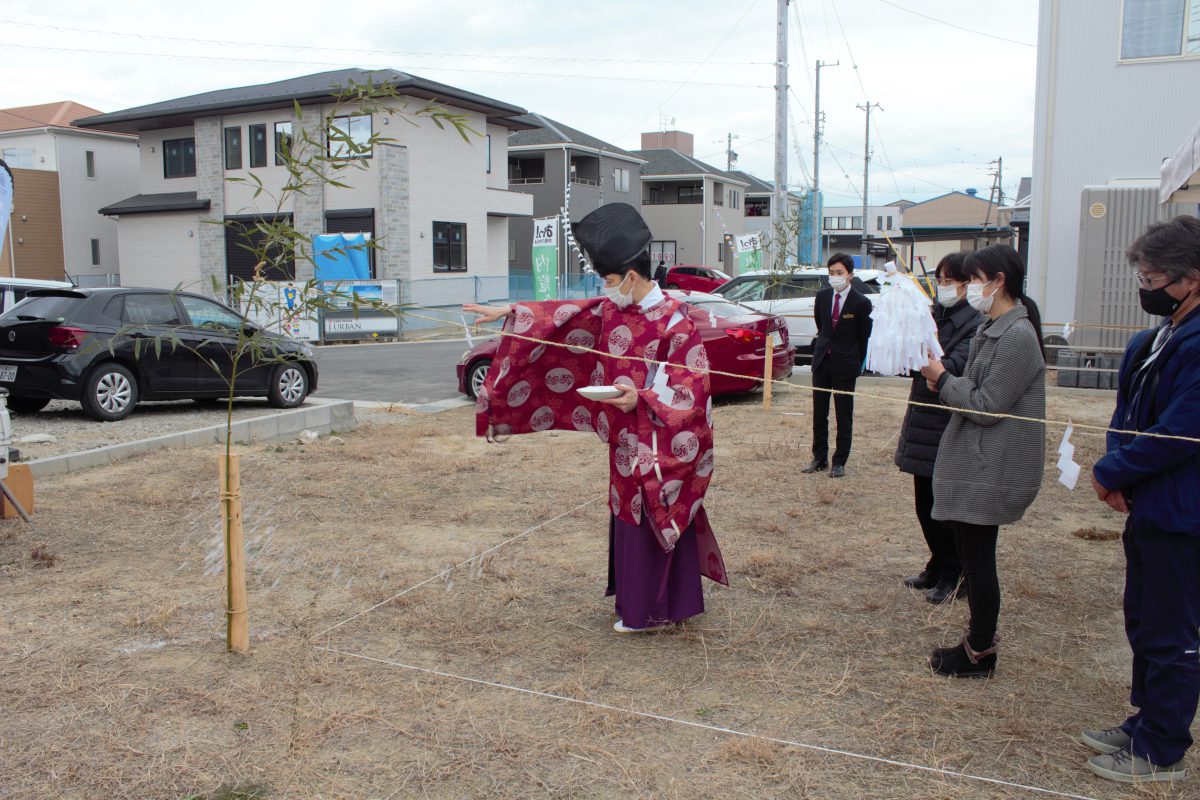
948 296
1158 302
838 282
975 297
620 299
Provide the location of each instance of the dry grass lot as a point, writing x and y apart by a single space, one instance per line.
114 680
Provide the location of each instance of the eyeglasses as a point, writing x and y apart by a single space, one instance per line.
949 282
1149 281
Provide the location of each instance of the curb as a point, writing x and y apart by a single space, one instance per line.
436 407
321 415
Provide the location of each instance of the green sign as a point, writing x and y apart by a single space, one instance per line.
749 252
545 259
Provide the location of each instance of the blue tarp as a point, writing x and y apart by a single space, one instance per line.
341 257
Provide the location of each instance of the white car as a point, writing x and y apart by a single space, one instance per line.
792 294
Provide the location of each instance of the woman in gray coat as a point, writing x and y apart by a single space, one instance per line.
989 467
922 430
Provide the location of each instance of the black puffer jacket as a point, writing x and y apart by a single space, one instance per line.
923 427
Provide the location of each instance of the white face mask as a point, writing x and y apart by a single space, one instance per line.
620 299
976 297
838 282
948 295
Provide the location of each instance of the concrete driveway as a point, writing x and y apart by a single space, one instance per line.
400 372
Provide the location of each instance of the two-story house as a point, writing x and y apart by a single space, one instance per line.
689 205
542 162
61 176
437 204
842 231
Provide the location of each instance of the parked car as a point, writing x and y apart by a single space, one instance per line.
792 294
734 338
97 347
694 278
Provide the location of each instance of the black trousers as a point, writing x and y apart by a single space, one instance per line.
822 378
939 534
976 546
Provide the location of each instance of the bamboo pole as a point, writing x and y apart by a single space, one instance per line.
768 372
237 630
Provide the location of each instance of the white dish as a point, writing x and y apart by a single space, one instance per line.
599 392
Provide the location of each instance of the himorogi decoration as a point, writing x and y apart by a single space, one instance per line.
904 335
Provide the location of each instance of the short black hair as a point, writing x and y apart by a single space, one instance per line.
843 259
640 264
951 266
1171 247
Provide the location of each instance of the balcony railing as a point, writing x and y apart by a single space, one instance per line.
671 201
584 181
524 181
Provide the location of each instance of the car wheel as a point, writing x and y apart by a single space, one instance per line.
476 375
289 386
110 393
27 405
672 285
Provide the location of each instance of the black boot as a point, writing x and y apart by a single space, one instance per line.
961 661
944 589
922 580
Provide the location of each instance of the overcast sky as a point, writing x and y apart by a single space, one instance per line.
955 77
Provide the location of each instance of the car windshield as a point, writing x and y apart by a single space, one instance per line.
744 289
54 307
721 275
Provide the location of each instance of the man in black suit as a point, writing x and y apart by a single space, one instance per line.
839 350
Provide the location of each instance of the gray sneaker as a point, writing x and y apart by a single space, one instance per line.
1106 741
1125 767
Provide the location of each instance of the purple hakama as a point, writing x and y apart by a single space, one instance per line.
653 587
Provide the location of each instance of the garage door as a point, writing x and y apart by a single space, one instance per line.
243 244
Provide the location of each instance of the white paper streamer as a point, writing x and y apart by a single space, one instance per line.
1067 330
6 200
903 332
467 331
1068 469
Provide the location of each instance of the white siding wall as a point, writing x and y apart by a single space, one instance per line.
41 143
151 152
116 178
1096 120
161 250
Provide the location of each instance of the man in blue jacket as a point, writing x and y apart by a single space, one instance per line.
1156 481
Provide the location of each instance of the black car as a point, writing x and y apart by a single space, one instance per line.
110 348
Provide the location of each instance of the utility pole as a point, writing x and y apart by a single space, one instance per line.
818 121
866 176
730 156
779 200
997 192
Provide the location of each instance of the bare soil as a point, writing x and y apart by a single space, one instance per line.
115 682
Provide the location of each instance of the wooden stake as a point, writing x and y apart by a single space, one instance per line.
768 372
237 631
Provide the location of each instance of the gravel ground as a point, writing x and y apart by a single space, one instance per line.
74 432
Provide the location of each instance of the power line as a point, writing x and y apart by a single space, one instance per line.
429 67
687 80
953 25
359 51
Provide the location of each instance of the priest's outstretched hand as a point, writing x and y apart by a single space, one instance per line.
627 401
486 313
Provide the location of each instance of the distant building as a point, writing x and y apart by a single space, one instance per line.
542 162
62 176
760 194
949 223
841 231
689 205
1118 87
439 204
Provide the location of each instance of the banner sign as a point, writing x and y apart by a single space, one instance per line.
545 258
749 252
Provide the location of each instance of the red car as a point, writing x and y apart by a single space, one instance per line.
734 338
695 278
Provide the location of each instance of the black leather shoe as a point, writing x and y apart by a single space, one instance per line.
922 580
943 591
837 471
959 663
815 466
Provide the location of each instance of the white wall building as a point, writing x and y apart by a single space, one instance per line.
1118 87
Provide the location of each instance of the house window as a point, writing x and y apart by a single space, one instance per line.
233 148
258 146
283 142
512 250
350 137
733 198
21 157
889 225
690 194
489 154
449 247
1160 28
179 158
89 160
95 252
621 180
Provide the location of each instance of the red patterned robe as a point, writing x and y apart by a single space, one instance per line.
661 453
